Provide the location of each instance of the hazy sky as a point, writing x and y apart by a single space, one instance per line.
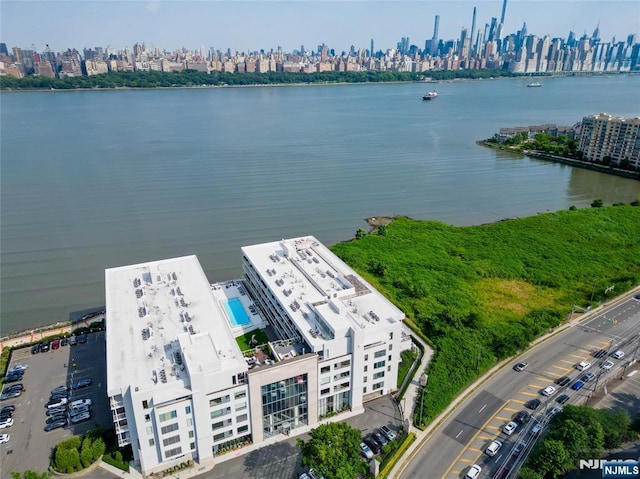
253 25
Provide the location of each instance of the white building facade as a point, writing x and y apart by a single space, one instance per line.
181 389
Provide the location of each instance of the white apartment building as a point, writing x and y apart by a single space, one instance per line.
606 135
180 388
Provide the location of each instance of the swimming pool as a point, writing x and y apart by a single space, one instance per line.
236 312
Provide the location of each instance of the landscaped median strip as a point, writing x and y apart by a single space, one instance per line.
408 440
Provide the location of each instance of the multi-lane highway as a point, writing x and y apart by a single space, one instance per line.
462 439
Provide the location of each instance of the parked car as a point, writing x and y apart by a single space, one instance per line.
520 366
549 391
56 410
533 404
64 341
563 381
55 425
13 387
388 433
56 417
55 344
366 451
522 417
79 410
12 378
18 367
583 365
85 416
10 395
56 402
82 338
8 422
537 427
73 341
502 472
563 399
618 354
375 447
35 349
510 427
45 347
554 410
80 402
59 389
82 383
577 385
380 438
493 448
4 438
8 407
587 377
474 472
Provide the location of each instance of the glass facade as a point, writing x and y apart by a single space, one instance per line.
284 405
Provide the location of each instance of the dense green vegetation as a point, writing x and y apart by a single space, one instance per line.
29 474
192 78
406 361
482 293
333 450
77 453
579 432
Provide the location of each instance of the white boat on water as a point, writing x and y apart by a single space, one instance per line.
534 84
430 95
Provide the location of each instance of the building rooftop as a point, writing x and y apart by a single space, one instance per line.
323 295
163 324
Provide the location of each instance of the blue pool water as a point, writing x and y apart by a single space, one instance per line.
236 312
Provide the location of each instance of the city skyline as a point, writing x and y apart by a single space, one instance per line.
254 25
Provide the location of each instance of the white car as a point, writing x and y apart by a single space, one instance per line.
474 472
510 427
4 438
57 402
607 365
618 354
18 367
549 391
6 423
493 448
583 365
80 402
366 451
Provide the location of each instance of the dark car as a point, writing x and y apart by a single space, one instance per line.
10 395
13 387
64 341
55 425
56 417
522 417
519 448
35 349
12 378
82 383
56 410
637 296
59 389
601 353
587 377
380 438
533 404
563 399
82 338
563 381
373 445
520 367
9 407
45 347
5 414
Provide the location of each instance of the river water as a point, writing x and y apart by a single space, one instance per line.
96 179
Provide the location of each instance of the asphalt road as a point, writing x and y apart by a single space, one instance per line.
461 440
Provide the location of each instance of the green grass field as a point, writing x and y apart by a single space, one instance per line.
243 341
482 293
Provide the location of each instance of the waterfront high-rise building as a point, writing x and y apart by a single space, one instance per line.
473 31
504 11
373 52
611 140
434 39
180 388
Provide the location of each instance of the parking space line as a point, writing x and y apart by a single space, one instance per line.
518 401
474 449
568 362
537 386
464 459
547 380
561 368
582 358
492 427
528 394
555 375
510 409
503 418
484 438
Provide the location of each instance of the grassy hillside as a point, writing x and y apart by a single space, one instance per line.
481 293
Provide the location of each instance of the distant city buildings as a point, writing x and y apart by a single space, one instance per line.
478 48
611 140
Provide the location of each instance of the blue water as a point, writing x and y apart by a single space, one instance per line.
236 312
91 180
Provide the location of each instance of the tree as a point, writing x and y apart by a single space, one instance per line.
597 203
29 474
67 460
333 451
551 459
526 473
572 435
360 233
572 208
382 230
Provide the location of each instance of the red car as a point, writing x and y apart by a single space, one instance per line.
55 344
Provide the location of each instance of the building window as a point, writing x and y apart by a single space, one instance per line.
190 434
380 353
187 410
242 429
364 380
169 428
220 412
390 346
284 405
170 440
366 368
364 390
242 418
192 446
366 357
389 358
240 394
173 452
325 391
149 429
379 364
389 368
241 406
189 421
378 385
325 380
147 418
145 404
168 415
152 442
220 400
378 375
390 337
325 369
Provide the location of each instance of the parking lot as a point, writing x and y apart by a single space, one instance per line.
30 446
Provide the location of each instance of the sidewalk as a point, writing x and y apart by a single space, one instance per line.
412 394
40 333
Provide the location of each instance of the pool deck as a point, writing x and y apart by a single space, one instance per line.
227 290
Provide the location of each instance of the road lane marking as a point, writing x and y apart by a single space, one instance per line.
459 433
482 409
455 461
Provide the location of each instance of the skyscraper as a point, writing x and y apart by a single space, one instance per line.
473 30
434 39
372 50
504 10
